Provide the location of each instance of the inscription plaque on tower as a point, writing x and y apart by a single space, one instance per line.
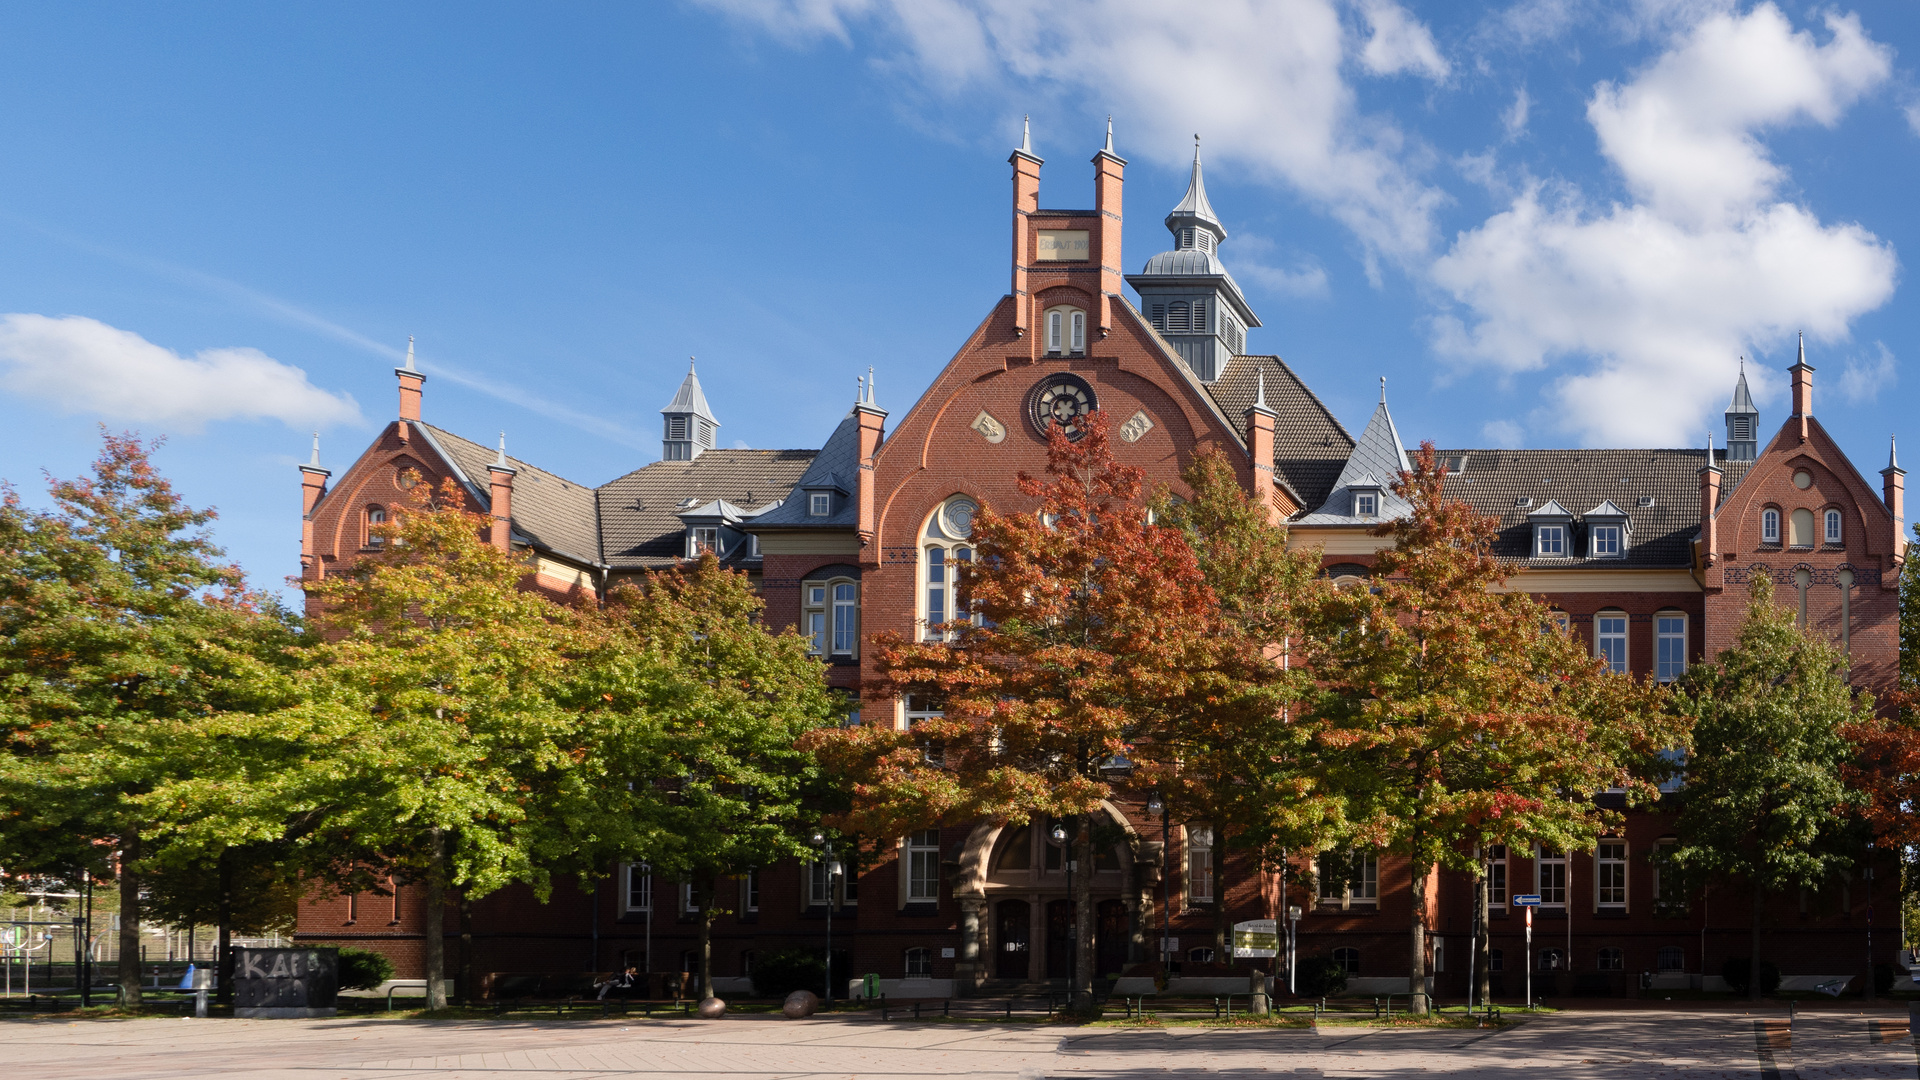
1062 245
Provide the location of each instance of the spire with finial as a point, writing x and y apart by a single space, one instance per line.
1260 393
1893 451
410 366
859 389
314 461
500 460
1026 134
1109 147
690 426
1743 420
1383 389
869 384
1195 214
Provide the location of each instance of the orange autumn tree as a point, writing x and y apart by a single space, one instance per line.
1093 629
1456 714
1886 768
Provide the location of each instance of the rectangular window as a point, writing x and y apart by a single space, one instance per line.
814 617
1199 316
921 707
1672 631
1610 639
919 963
1550 877
1833 526
1606 542
639 887
677 428
1349 878
846 618
936 588
1079 331
819 504
1053 331
752 890
923 867
1552 541
1366 504
1770 526
818 886
1611 874
1497 878
1199 864
687 903
753 547
705 538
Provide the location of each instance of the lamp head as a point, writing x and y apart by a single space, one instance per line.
819 838
1154 805
1059 833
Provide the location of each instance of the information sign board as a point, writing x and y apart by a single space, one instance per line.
1256 937
285 983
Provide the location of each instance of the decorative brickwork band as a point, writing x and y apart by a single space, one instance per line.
899 556
1744 575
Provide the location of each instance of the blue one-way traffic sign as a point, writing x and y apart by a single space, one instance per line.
1527 900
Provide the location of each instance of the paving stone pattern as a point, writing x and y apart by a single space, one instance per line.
1664 1046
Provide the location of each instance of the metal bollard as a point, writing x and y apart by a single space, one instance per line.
916 1010
1009 1008
946 1007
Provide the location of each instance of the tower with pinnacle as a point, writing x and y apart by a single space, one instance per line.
1187 293
1743 422
688 428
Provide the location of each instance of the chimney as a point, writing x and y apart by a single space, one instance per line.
501 475
313 485
1709 506
1802 389
1109 172
1260 423
410 380
873 421
1026 200
1893 489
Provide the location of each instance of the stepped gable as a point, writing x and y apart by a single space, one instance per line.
552 512
1661 535
1310 446
639 512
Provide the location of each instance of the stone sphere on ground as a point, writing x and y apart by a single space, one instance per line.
801 1003
712 1008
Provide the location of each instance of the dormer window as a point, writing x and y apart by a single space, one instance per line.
1606 542
702 539
1366 504
1066 331
819 504
1550 541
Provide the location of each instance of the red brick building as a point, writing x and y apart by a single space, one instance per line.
1648 555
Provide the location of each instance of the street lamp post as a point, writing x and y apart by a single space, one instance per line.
1073 940
1155 806
833 870
1293 956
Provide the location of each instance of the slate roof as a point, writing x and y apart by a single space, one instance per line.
1377 461
1309 445
1495 481
836 465
639 512
691 399
551 511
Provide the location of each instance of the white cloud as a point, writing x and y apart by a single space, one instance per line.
83 365
1649 304
1504 434
1264 83
1514 119
1913 117
1399 43
1865 378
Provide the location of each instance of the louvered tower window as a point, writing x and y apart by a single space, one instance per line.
1179 317
677 427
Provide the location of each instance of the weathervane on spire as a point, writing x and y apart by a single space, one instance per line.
1383 389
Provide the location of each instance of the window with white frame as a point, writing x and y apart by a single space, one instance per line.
1770 526
1610 874
1550 541
819 503
1497 877
688 902
1199 864
1676 779
1833 526
919 963
846 617
813 616
819 885
750 891
753 546
1606 541
702 539
1670 630
1349 878
1550 877
945 544
639 887
923 867
1610 639
830 616
376 516
1066 330
1366 503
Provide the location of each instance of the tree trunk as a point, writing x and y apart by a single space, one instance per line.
1222 915
1417 968
223 952
1083 951
1753 964
436 920
466 948
1483 943
703 898
129 924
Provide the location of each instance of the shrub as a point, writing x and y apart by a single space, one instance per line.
1736 969
1320 976
363 969
782 973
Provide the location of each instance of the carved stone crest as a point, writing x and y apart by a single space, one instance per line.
990 429
1136 427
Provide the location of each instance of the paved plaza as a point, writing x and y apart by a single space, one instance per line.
1722 1045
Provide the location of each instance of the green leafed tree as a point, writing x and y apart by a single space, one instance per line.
120 627
1454 713
1766 803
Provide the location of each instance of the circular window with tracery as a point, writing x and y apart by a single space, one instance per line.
956 517
1061 400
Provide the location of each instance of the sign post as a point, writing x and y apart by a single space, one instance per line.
1293 949
1527 903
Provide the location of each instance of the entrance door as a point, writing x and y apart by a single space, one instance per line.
1060 939
1010 940
1113 937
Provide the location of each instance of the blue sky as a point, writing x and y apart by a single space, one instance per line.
1550 223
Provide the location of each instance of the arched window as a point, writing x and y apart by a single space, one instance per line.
1066 331
1348 960
376 515
919 963
1801 533
945 544
1833 534
1612 958
1770 526
830 616
1610 639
